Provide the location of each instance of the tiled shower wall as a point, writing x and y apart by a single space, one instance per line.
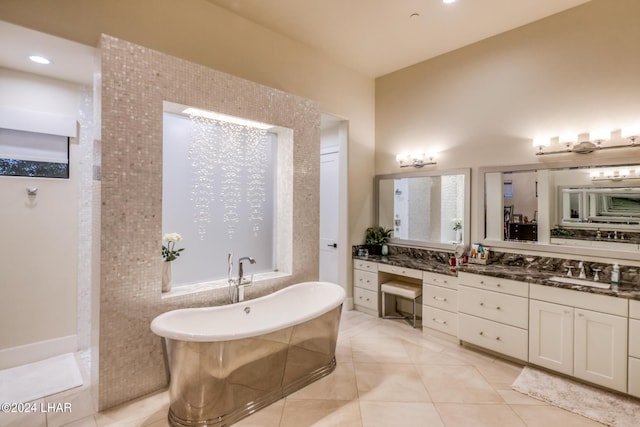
135 82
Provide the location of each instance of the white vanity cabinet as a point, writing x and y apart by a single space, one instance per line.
439 303
493 313
634 348
365 286
579 334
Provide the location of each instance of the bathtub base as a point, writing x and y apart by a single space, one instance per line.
219 383
239 413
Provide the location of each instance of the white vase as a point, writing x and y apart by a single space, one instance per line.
166 276
385 250
459 236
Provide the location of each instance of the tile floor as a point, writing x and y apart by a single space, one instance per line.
388 374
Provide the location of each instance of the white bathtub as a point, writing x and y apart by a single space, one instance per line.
226 362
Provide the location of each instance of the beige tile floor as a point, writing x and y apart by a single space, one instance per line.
388 374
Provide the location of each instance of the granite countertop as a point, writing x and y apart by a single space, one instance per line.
537 273
402 260
543 277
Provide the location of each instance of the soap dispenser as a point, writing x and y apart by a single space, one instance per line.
615 276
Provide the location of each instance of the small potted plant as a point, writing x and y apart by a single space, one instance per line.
376 238
169 253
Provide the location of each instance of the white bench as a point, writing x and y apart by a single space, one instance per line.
401 290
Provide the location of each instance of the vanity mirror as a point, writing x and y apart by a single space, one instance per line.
590 209
426 209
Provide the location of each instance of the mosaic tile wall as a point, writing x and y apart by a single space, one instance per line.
135 81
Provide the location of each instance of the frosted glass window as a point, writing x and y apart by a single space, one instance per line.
33 154
219 194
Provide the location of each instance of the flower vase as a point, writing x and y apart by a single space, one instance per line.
385 250
459 236
166 276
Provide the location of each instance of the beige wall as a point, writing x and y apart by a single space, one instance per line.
206 34
481 105
40 234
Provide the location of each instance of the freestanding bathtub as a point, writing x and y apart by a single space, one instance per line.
229 361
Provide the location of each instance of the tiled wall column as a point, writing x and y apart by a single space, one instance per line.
135 82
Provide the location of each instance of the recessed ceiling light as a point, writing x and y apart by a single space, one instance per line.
39 59
448 1
414 15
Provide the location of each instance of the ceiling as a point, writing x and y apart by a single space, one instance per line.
71 61
371 40
376 37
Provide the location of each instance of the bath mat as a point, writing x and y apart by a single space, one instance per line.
599 405
36 380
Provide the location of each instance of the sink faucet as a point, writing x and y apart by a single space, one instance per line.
236 286
581 267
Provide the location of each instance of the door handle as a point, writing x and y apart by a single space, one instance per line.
335 245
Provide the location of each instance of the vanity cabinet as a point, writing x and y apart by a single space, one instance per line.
579 334
493 313
634 348
439 303
365 286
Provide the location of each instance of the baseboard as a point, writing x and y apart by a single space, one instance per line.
348 303
28 353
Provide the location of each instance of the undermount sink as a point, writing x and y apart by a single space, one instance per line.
580 282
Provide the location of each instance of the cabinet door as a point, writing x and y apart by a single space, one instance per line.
600 348
551 336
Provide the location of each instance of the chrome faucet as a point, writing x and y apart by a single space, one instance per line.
236 286
582 275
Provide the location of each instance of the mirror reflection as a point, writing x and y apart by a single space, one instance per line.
588 206
424 208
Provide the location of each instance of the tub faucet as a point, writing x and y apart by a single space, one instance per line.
241 279
236 286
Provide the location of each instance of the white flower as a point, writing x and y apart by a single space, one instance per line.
172 237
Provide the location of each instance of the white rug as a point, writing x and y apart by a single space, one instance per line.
36 380
599 405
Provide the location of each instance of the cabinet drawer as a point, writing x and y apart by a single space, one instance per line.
495 306
506 286
365 298
634 309
634 338
500 338
440 320
634 377
443 298
365 279
401 271
365 265
443 280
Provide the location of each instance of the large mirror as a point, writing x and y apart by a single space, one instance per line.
581 209
427 209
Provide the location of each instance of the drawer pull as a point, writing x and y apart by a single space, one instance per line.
440 299
442 322
482 333
482 305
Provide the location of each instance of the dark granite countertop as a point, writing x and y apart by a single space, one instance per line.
401 260
538 272
542 277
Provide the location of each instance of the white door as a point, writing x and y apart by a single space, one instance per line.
551 336
601 349
329 190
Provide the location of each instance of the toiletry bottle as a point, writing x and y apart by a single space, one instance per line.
615 276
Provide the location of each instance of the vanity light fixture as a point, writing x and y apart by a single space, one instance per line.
225 118
615 175
593 143
417 160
